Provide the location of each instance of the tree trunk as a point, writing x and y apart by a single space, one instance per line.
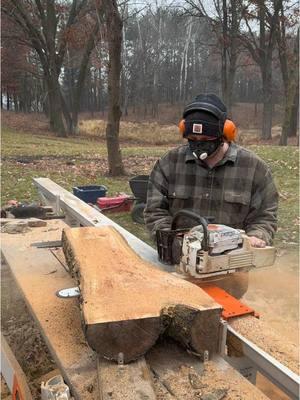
224 52
184 62
230 84
124 83
90 44
55 107
99 92
7 101
71 125
16 104
233 55
291 80
294 123
267 102
114 26
155 93
290 113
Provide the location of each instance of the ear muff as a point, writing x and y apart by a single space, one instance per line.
229 130
181 127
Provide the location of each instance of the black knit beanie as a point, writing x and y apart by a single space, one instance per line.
198 120
211 99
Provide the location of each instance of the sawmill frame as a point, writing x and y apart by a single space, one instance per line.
78 213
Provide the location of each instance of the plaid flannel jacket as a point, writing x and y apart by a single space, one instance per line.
239 191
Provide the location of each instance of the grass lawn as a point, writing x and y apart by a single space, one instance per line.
82 161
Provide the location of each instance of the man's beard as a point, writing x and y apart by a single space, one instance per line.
203 149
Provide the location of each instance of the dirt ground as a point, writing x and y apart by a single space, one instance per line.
273 292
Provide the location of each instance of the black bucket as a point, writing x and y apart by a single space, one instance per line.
139 185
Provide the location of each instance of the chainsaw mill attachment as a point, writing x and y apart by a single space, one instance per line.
209 249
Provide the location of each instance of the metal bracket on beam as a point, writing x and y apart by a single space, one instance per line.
222 338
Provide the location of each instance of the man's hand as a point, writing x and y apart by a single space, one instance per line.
255 242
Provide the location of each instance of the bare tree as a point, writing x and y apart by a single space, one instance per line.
47 25
289 63
224 18
114 38
261 45
185 61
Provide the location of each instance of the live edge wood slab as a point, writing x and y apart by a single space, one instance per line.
127 303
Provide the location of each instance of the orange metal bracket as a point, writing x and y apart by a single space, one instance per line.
231 306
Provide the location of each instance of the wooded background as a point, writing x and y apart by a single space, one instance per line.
64 57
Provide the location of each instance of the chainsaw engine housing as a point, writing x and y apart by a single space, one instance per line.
229 250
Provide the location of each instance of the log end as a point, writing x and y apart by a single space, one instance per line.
132 338
196 330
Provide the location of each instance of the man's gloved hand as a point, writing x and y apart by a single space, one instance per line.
256 242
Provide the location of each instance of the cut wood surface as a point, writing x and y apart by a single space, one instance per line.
127 302
259 333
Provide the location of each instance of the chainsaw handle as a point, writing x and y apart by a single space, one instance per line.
196 217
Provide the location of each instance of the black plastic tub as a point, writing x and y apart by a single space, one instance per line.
138 185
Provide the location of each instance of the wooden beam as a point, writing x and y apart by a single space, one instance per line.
131 382
127 303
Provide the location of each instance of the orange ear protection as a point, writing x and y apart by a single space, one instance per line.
229 128
181 127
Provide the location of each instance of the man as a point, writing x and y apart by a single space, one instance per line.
213 176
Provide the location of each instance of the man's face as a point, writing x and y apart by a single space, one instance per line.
203 146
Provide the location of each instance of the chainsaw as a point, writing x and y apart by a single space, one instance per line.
207 249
